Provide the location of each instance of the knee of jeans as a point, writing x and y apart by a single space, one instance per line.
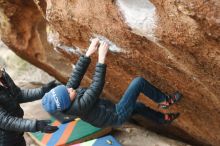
137 80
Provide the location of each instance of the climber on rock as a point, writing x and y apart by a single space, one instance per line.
12 124
86 104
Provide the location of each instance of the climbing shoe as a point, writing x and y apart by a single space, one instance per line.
170 117
170 100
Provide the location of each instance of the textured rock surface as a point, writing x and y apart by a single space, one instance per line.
175 44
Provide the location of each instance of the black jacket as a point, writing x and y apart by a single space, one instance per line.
87 104
12 124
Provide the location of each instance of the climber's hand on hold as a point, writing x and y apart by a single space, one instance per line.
93 47
103 50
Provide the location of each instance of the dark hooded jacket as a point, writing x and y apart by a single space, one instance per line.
87 104
12 124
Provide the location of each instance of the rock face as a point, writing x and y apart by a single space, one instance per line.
175 44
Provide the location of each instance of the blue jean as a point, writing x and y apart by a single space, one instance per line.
128 106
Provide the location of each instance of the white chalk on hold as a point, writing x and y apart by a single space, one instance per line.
53 37
69 50
140 16
112 47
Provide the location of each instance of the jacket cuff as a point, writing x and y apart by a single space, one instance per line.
101 65
85 58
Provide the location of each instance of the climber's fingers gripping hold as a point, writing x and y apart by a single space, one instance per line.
103 50
93 47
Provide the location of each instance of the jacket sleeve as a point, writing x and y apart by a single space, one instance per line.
28 95
78 73
11 123
86 102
